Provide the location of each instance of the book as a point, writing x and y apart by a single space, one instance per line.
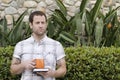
38 70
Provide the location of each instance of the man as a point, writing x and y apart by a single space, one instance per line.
38 44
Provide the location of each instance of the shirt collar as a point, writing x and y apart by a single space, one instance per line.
41 41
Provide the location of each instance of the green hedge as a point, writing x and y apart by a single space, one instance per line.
83 63
5 61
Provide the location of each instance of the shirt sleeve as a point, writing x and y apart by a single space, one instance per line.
60 52
17 51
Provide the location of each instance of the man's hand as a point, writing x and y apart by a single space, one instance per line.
28 64
47 74
18 66
60 72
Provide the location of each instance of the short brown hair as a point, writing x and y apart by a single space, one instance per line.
36 13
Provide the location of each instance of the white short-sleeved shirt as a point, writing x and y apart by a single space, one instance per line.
50 49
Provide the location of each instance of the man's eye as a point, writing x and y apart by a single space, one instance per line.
37 22
42 22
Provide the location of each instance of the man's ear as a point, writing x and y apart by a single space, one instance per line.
30 25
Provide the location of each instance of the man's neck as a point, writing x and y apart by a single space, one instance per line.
38 37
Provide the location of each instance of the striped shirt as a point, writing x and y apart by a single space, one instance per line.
50 49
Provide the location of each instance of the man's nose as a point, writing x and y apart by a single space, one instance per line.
40 24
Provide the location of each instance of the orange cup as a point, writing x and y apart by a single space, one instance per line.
39 63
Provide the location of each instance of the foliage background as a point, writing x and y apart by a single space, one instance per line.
84 63
85 28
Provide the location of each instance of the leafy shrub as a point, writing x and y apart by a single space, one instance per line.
83 63
90 63
5 62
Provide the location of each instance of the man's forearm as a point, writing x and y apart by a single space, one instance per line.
59 72
17 68
61 68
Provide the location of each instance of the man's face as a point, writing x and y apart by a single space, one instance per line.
39 25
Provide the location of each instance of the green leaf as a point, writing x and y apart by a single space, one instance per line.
82 6
59 17
79 25
62 7
79 29
15 33
51 28
99 32
110 15
4 27
95 11
88 24
68 37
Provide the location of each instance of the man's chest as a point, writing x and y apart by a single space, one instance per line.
31 51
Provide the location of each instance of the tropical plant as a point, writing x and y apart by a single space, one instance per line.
111 28
72 30
19 31
87 27
59 26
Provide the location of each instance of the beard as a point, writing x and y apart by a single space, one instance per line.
39 33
